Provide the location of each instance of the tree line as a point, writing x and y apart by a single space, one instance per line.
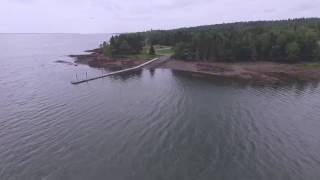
292 40
123 44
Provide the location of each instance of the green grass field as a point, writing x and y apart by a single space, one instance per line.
160 51
312 65
164 50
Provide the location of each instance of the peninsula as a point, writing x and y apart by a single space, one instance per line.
268 51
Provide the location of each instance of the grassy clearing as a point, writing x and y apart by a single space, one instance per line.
164 50
160 51
144 55
312 65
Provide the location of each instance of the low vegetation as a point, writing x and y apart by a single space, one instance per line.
312 65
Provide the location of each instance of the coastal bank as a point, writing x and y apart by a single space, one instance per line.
262 71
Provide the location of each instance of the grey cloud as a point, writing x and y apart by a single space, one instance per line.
305 6
269 10
91 16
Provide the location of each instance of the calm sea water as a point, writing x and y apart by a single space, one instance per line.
151 125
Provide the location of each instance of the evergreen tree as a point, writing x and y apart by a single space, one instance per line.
293 51
107 51
287 40
124 47
151 50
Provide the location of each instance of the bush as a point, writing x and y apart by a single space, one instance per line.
151 50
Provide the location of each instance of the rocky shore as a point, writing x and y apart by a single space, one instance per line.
249 71
96 59
257 71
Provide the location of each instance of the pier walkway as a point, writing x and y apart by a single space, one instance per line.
116 72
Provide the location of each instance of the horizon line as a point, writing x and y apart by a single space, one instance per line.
173 28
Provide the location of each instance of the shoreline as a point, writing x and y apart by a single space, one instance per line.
96 59
270 72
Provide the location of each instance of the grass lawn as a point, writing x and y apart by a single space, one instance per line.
312 65
160 51
163 50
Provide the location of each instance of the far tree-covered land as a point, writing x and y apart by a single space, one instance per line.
293 40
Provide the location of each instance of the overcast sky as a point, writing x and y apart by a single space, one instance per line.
105 16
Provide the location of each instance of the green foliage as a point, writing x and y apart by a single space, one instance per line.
293 51
183 51
164 50
106 49
124 47
290 40
151 50
317 54
124 44
312 65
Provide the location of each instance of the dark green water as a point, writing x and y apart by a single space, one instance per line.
152 125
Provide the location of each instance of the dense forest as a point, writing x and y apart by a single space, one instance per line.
292 40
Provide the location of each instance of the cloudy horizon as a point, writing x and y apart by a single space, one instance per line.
113 16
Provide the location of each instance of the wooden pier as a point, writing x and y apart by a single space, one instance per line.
115 72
